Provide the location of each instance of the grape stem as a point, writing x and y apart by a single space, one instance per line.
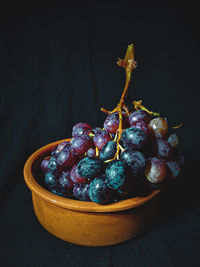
128 63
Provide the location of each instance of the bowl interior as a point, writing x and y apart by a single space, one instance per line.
34 179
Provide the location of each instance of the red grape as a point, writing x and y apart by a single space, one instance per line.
66 158
44 164
76 178
80 145
139 115
101 138
155 171
80 129
111 123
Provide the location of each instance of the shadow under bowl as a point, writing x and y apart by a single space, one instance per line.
86 223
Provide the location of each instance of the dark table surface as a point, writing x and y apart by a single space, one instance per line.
58 67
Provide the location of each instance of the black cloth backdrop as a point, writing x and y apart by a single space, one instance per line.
58 67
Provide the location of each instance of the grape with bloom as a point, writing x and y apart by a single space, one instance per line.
133 154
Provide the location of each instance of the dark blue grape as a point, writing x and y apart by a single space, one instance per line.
135 160
90 167
52 164
50 180
173 139
81 192
116 174
133 138
173 169
99 192
108 151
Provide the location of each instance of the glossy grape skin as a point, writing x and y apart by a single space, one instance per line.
53 166
156 170
75 177
158 127
101 138
111 123
80 129
142 125
173 139
135 160
91 152
164 149
66 158
173 169
59 147
44 164
99 192
81 192
139 115
108 151
64 180
80 145
133 138
50 180
116 174
90 167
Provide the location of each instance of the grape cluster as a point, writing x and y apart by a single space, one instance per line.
90 167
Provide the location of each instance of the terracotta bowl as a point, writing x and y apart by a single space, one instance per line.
86 223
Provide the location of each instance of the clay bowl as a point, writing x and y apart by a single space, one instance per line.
86 223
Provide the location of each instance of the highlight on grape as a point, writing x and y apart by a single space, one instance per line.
134 153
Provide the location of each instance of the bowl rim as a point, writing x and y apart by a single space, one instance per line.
72 204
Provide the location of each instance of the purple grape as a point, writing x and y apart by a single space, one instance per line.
66 158
164 149
75 177
99 192
155 171
80 129
44 164
81 192
111 123
64 180
90 167
173 168
133 138
108 151
141 125
59 147
135 160
91 152
81 144
101 138
139 115
173 139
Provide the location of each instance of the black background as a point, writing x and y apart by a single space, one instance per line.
58 67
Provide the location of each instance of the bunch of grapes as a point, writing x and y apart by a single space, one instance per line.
132 154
